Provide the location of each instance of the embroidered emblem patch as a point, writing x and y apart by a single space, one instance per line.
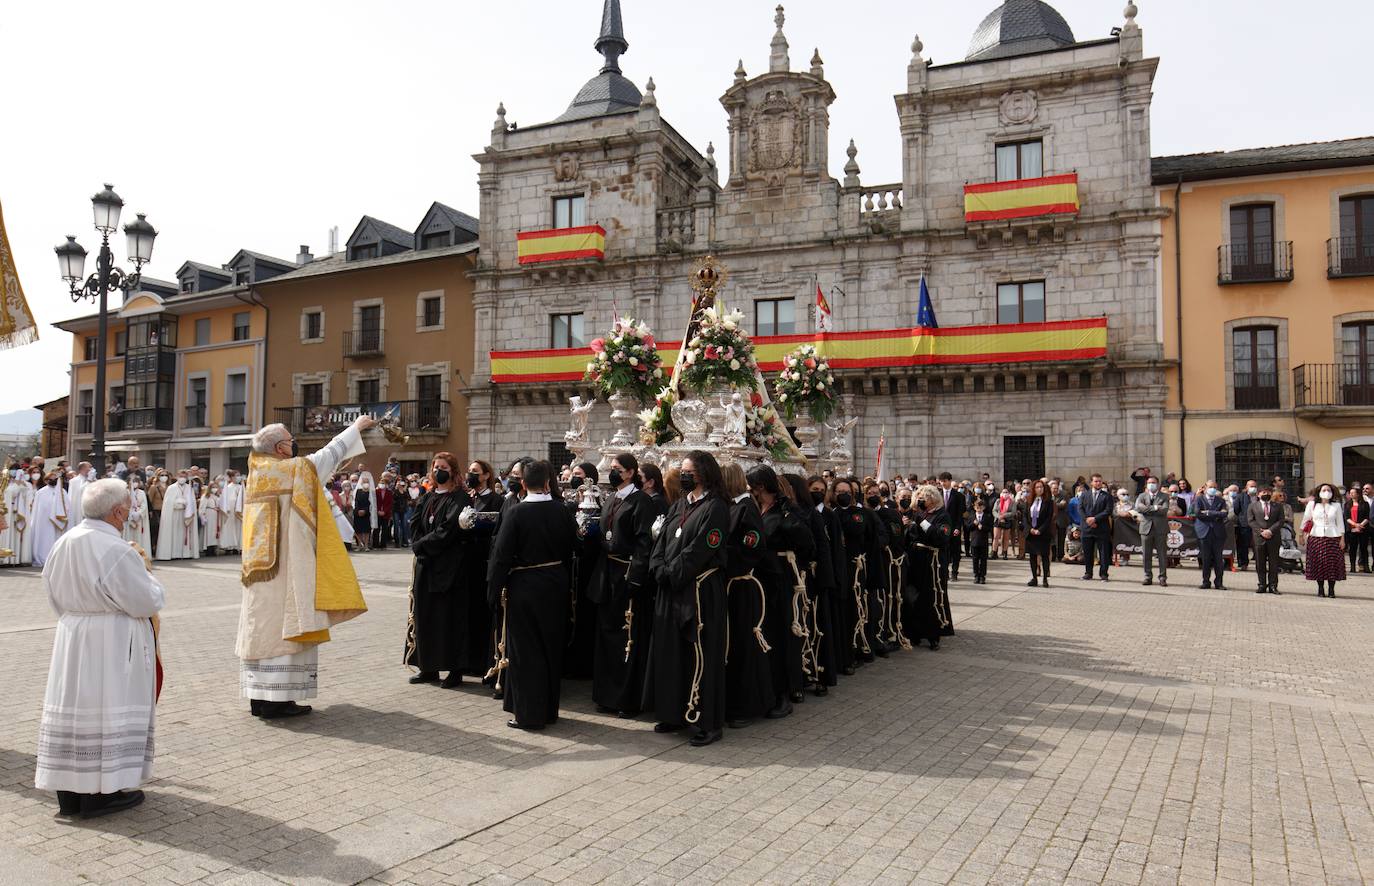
751 539
857 518
713 538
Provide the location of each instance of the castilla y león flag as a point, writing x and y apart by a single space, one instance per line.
16 322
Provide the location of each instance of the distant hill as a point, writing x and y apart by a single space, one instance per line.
25 421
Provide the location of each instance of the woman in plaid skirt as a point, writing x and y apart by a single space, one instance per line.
1325 529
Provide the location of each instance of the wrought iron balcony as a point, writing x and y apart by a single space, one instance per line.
418 418
1335 394
1350 257
1260 262
82 423
195 416
361 343
235 414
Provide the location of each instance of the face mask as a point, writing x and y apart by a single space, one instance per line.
1152 487
1249 490
441 477
1121 495
904 504
844 500
1325 494
295 450
473 480
1211 492
817 498
575 483
688 481
873 501
886 493
616 478
181 481
36 477
1264 496
365 487
513 484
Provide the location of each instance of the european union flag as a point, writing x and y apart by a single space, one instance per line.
925 314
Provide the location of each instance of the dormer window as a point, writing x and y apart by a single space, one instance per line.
188 285
570 211
362 251
242 278
436 240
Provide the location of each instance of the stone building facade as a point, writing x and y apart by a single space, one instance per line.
1029 102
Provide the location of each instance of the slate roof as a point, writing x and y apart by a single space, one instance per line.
390 233
457 218
609 92
208 269
1262 161
1019 27
338 263
262 257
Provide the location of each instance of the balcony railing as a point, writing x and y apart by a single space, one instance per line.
1258 397
235 414
1260 262
364 343
1350 257
1334 384
82 423
195 416
416 417
149 419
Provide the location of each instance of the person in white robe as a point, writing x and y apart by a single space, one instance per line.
231 515
297 578
50 517
137 528
95 740
178 535
208 509
84 474
17 536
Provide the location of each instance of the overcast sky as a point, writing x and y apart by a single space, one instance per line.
260 125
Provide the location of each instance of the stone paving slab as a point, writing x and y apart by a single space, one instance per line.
1088 733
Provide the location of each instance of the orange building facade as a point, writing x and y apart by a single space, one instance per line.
1267 271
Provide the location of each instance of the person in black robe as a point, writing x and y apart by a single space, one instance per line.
789 551
687 659
927 534
622 593
436 637
893 555
944 537
836 653
577 663
530 567
859 530
477 538
820 583
748 659
651 483
512 491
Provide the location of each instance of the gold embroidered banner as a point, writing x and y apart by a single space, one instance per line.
16 322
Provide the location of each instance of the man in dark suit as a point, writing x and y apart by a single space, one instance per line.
1210 525
1096 506
954 506
1248 495
1265 518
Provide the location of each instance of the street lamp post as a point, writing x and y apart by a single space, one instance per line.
71 258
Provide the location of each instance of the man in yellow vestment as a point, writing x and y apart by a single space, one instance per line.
297 578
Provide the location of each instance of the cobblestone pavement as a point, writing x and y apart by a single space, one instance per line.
1086 733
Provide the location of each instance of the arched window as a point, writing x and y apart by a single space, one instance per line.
1261 460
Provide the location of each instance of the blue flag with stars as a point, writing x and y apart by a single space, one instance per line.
925 314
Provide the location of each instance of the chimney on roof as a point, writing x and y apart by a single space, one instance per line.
304 257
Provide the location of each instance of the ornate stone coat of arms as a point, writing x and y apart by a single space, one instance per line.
776 138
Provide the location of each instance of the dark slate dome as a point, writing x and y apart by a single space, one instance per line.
607 93
1019 27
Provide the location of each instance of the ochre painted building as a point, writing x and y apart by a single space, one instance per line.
383 326
1272 250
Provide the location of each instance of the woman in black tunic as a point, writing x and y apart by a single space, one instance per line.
789 547
927 537
687 662
620 589
477 537
530 565
436 637
859 531
820 583
748 661
577 661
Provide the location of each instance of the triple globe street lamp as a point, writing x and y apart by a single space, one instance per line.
71 258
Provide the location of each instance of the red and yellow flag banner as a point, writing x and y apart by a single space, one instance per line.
951 346
532 247
1026 198
16 321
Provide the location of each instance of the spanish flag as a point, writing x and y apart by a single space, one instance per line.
560 244
1026 198
16 321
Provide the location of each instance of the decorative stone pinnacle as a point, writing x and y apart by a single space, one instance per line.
777 59
916 47
710 153
740 76
851 169
1131 11
817 66
649 100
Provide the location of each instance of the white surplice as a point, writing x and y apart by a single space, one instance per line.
18 537
295 675
178 531
75 487
231 517
96 736
137 528
49 520
209 520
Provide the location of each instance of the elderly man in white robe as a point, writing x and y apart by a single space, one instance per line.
297 578
95 741
17 535
83 474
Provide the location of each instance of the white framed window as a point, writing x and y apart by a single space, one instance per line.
430 311
312 325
